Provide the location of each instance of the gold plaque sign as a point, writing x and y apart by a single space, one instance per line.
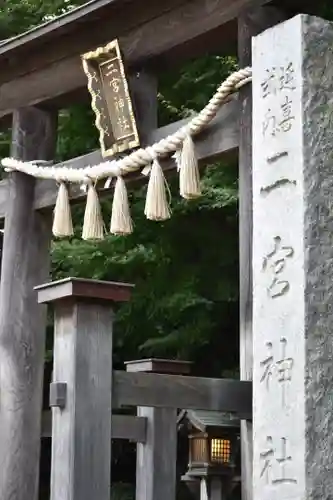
110 99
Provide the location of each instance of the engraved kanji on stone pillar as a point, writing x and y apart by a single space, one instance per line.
293 260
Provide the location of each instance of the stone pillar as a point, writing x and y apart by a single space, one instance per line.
251 22
157 457
80 394
293 260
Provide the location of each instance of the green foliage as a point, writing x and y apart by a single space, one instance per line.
122 491
76 134
190 89
185 270
17 16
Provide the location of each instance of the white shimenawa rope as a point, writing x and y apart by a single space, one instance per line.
157 206
141 157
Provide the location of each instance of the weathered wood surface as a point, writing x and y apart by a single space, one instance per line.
81 432
157 365
25 263
122 427
249 24
156 458
81 444
140 389
60 39
141 42
216 488
177 391
84 288
56 27
144 87
210 145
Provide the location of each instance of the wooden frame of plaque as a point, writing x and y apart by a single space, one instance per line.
110 99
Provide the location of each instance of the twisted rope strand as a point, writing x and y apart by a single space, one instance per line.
140 157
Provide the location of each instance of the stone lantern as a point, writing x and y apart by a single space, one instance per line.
213 451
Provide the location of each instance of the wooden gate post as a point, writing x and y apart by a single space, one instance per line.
157 457
25 264
81 391
251 23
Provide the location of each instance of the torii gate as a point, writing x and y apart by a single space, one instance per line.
30 93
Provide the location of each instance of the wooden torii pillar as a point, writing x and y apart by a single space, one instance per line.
25 264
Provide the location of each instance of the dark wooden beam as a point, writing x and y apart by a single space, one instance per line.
221 138
69 29
178 391
122 427
129 427
144 90
171 391
29 52
157 365
56 27
179 28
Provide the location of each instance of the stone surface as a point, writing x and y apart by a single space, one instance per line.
292 260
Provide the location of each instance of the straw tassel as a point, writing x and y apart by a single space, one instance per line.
157 206
121 222
62 218
93 225
189 178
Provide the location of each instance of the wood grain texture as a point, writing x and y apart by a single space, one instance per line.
216 489
178 27
143 86
129 427
250 24
156 365
81 443
177 391
45 45
70 28
122 427
55 27
156 458
85 289
210 145
25 264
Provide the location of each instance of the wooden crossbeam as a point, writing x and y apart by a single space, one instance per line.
220 138
172 391
178 391
123 427
182 32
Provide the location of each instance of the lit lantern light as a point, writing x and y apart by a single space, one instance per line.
211 453
213 445
220 451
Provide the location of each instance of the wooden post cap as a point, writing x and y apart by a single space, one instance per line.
83 289
155 365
